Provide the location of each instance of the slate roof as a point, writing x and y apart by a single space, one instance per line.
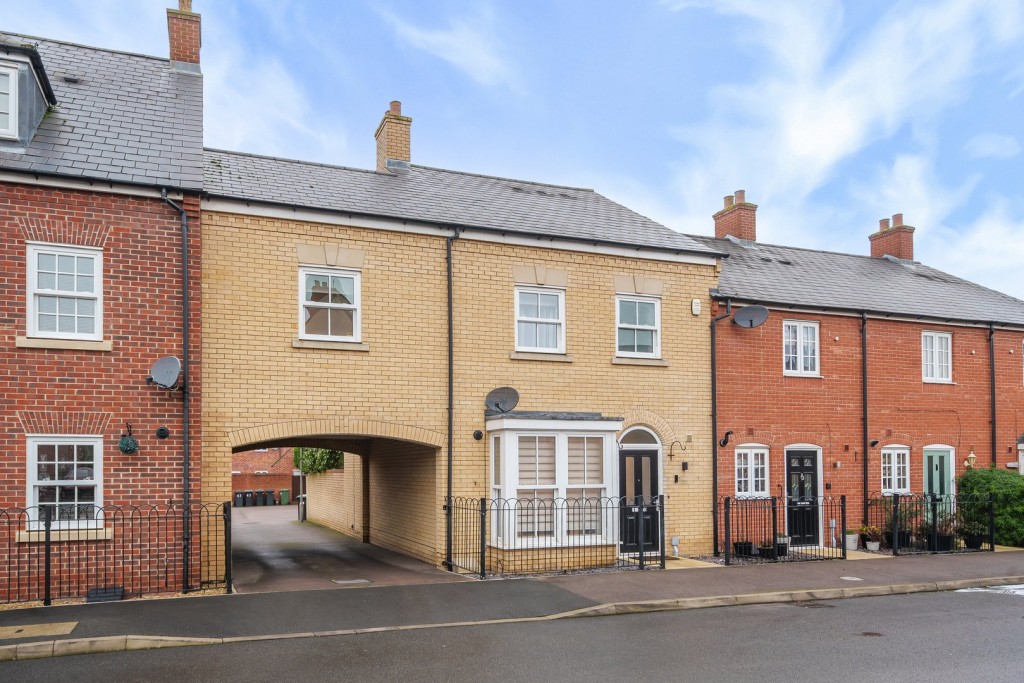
770 274
130 118
432 195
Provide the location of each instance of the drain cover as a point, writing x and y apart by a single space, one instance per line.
350 582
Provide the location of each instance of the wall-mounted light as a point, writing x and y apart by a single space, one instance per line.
971 458
725 439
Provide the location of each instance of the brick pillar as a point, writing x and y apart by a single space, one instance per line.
394 139
893 240
738 218
184 33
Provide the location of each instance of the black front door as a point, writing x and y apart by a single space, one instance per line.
638 491
802 497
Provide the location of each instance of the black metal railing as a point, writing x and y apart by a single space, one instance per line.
508 536
781 530
52 552
912 523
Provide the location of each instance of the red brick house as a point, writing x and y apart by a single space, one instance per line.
98 199
872 374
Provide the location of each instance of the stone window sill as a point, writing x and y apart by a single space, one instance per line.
549 357
66 535
329 345
69 344
651 362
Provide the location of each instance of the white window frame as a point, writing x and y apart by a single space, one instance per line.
897 472
936 373
357 307
559 323
32 290
33 441
747 472
11 132
801 356
504 439
656 328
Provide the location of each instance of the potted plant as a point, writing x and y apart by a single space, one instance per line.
781 544
743 548
971 526
872 536
851 539
902 535
765 550
942 541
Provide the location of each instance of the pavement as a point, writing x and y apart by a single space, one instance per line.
35 632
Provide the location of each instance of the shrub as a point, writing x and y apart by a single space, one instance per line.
1008 490
316 460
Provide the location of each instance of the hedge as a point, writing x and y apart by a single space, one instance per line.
1008 489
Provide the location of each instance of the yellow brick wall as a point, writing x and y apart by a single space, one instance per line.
256 384
334 498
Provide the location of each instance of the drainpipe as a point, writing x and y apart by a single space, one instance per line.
186 537
864 404
992 378
451 402
714 418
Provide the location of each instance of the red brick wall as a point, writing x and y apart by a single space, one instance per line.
277 462
95 391
761 405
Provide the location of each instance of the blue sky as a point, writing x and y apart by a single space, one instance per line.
831 115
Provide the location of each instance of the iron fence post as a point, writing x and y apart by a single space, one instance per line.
483 539
728 536
934 531
227 547
992 522
661 526
47 523
186 547
640 522
842 522
775 528
895 524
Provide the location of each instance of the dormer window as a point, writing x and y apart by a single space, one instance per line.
8 101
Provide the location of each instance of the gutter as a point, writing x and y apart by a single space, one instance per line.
714 417
186 536
451 400
992 380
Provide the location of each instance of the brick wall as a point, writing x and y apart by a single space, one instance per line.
263 386
75 391
761 405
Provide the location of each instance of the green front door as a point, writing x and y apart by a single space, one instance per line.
936 472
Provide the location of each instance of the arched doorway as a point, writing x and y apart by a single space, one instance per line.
639 489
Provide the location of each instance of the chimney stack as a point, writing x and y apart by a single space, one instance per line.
184 34
738 218
394 140
895 240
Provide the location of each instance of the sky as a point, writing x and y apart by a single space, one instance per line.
830 114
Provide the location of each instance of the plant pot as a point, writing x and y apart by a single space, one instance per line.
765 551
781 549
851 541
903 537
872 546
943 543
743 548
974 541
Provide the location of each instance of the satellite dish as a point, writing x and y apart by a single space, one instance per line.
502 399
165 372
750 316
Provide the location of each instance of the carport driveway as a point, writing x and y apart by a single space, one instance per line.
273 551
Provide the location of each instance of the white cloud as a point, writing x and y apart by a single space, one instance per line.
470 44
992 145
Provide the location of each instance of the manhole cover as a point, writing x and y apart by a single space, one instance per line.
349 582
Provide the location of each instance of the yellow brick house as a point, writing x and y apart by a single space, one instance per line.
374 311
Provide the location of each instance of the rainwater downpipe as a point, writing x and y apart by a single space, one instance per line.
714 418
864 405
186 536
451 401
992 379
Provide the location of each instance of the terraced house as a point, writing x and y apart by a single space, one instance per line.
374 311
100 173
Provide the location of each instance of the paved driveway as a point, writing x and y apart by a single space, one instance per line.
273 551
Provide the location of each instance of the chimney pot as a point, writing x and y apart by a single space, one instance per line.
738 218
896 240
883 225
897 219
396 107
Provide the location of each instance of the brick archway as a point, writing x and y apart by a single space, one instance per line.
296 429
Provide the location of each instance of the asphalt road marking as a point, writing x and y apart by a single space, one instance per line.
61 628
1003 590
